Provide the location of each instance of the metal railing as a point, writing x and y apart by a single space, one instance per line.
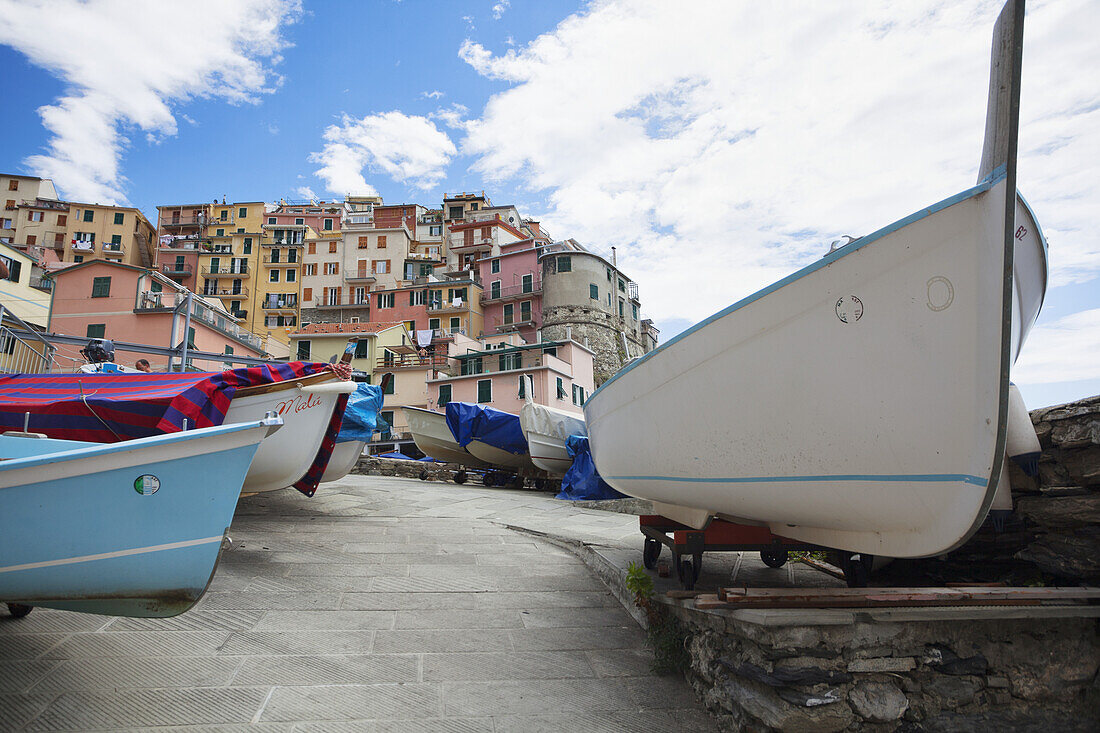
412 361
47 204
25 352
512 291
173 269
230 271
226 292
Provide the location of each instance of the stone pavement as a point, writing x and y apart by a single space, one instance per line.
382 604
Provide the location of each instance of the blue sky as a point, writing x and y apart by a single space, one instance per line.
718 145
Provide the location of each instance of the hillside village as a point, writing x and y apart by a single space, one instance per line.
456 301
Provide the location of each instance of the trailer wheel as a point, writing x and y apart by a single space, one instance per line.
651 551
857 570
460 477
516 482
424 475
687 573
774 558
18 610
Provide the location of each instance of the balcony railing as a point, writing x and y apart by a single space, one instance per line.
226 292
281 304
270 261
177 270
360 276
236 271
82 246
412 361
464 273
243 315
112 247
511 292
518 321
283 243
449 306
479 244
47 204
184 221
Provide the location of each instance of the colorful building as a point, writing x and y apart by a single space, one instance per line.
19 190
24 288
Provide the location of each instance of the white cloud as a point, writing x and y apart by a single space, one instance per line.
722 145
453 117
306 192
500 7
272 128
1066 350
434 94
126 64
189 120
407 148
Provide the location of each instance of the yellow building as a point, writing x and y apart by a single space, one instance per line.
17 191
24 299
228 262
113 233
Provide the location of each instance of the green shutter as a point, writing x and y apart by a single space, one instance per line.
101 287
484 390
97 330
120 218
444 394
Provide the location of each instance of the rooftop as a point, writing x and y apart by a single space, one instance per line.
342 328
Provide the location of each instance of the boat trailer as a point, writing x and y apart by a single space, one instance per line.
688 545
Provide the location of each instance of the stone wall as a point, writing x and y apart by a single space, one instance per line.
601 330
1008 674
335 315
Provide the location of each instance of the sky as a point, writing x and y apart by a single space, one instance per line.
718 145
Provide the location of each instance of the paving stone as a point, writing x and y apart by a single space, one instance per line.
621 662
535 697
505 666
138 644
424 641
381 601
82 711
547 599
28 646
21 674
571 617
329 669
364 702
605 637
434 585
428 725
325 620
137 672
265 600
298 642
194 620
485 618
47 620
679 721
18 709
294 570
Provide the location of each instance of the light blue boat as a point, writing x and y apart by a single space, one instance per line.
123 529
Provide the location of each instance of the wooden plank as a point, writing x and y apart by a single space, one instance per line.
896 597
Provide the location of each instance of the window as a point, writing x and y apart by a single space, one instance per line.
457 293
274 276
418 297
35 215
525 311
31 239
271 220
310 269
385 300
561 389
116 239
622 286
6 224
307 294
578 395
331 247
454 212
303 350
13 185
327 225
509 361
380 267
388 380
456 325
312 248
97 330
494 289
433 323
299 222
88 214
381 241
444 394
364 242
120 218
62 220
551 351
594 291
224 214
484 390
219 233
620 307
101 287
509 313
634 310
473 207
14 268
77 259
362 348
523 387
565 264
411 326
292 255
608 274
242 212
435 231
528 285
495 266
290 276
248 245
240 230
332 268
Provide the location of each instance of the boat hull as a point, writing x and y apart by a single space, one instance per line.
546 430
344 458
76 533
433 437
306 406
854 404
519 462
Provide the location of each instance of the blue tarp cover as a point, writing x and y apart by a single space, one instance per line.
497 428
396 455
581 482
361 416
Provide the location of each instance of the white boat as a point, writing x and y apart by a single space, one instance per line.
546 430
126 529
860 403
433 437
305 404
343 459
521 463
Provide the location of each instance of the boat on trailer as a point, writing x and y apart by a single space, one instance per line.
860 403
123 529
433 437
491 435
547 430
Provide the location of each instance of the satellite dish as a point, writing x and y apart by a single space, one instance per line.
511 219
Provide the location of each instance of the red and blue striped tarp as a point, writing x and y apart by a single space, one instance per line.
107 408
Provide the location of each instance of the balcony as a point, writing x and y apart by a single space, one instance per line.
479 244
518 321
82 246
451 306
177 270
296 242
185 221
412 361
464 273
189 243
271 261
111 248
358 220
47 204
216 220
512 292
41 283
359 276
234 271
243 315
289 303
235 293
149 300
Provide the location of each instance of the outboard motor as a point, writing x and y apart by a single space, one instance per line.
99 350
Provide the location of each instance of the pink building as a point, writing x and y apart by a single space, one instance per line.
512 298
561 372
100 299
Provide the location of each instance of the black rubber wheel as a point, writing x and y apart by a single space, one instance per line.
516 482
423 475
651 551
540 484
18 610
687 573
857 570
460 477
774 558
